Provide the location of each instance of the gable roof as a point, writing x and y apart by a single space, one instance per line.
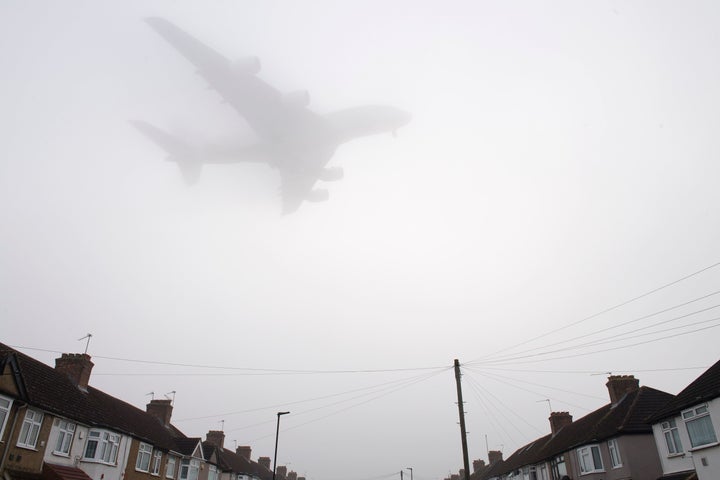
189 447
704 388
52 391
627 417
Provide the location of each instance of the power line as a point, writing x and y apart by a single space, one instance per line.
609 309
644 317
250 369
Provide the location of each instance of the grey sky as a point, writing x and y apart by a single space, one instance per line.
562 158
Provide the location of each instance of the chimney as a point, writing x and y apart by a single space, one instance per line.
265 462
216 437
478 465
77 367
558 420
160 409
281 471
244 451
494 456
454 476
292 475
301 478
620 385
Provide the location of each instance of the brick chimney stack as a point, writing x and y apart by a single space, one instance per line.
478 465
216 437
244 451
160 409
281 471
620 385
264 462
77 367
558 420
494 456
292 475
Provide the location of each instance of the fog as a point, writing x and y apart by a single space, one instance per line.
561 160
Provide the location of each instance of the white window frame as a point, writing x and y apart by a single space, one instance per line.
66 433
107 445
586 453
191 467
170 466
5 406
672 437
212 472
695 415
156 462
30 430
614 449
142 462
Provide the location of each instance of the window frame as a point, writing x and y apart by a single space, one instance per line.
31 427
693 416
144 455
156 462
66 435
5 411
586 451
170 472
614 450
190 465
107 446
670 432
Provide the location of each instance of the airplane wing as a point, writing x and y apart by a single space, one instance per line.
260 104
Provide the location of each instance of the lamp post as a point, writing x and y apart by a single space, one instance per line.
277 434
411 472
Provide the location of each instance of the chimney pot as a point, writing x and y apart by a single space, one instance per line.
160 409
620 385
77 367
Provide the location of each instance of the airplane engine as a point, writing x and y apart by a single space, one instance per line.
247 65
318 195
299 99
331 174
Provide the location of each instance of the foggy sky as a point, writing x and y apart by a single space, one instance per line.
562 159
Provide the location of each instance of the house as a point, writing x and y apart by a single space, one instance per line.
614 442
55 426
687 429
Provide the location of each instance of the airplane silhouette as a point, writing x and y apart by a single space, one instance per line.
296 141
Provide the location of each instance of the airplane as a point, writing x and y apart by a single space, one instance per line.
293 139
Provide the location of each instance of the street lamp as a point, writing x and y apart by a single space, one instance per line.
411 472
277 434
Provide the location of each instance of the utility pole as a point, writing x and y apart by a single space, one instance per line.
461 412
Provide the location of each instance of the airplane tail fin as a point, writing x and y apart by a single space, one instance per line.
178 151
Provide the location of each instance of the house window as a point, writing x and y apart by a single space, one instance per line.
699 426
170 468
615 459
157 459
589 459
66 431
30 429
189 469
143 457
672 437
102 446
5 404
542 472
558 468
212 472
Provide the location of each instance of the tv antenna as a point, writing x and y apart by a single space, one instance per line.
87 344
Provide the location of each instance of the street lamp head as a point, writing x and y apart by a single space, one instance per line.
282 413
